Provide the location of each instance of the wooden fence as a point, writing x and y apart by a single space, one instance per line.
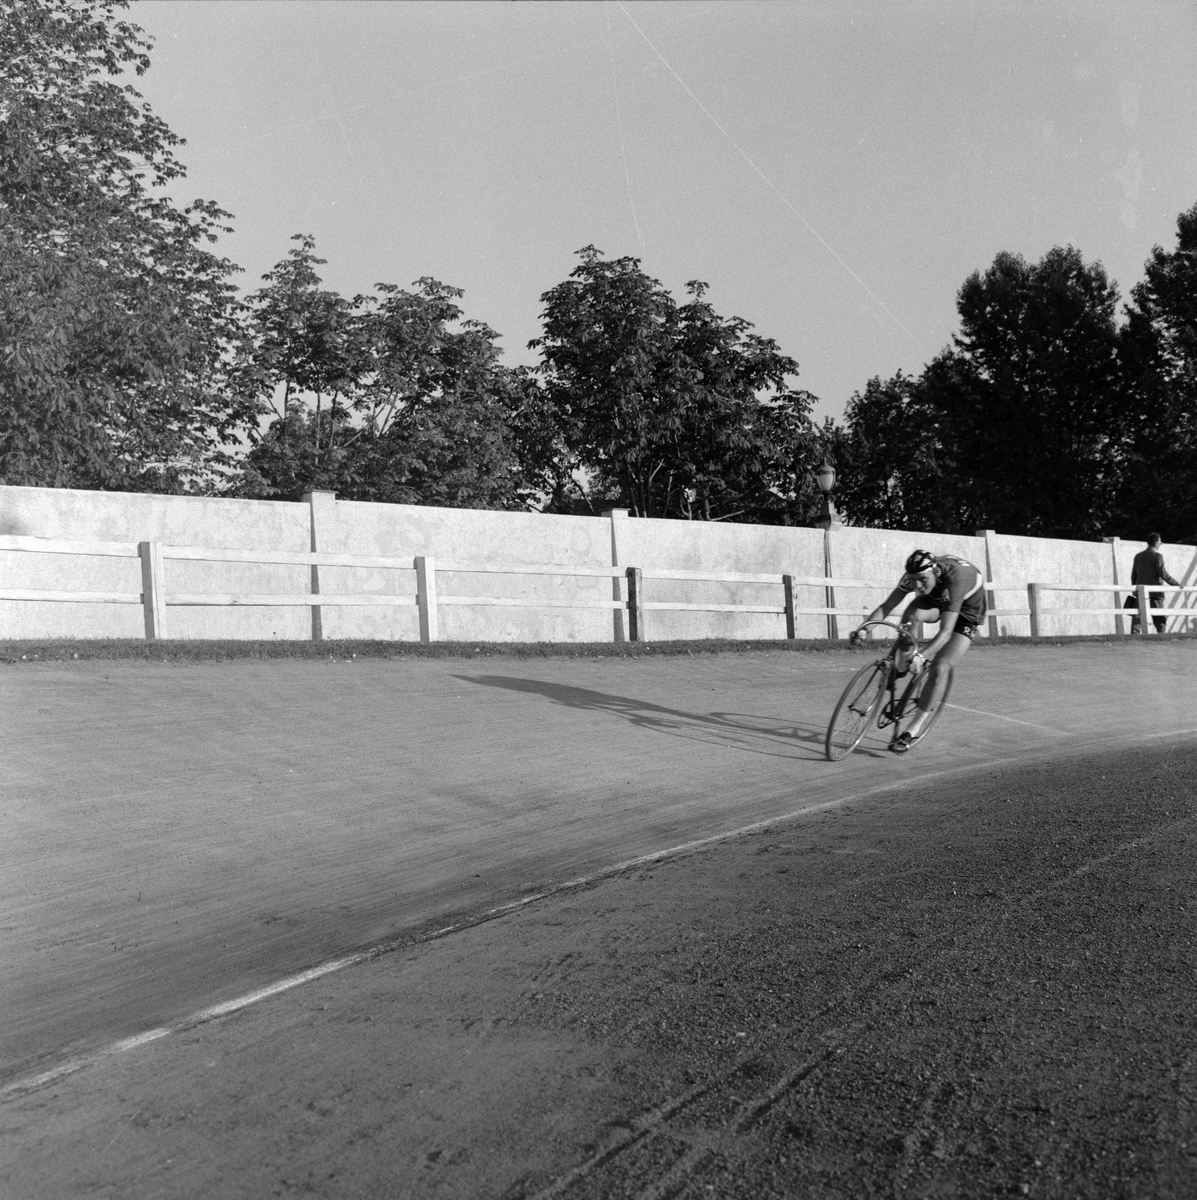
1142 612
429 597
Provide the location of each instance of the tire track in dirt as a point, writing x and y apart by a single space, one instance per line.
665 1123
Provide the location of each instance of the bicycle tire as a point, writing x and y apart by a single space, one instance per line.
910 697
850 722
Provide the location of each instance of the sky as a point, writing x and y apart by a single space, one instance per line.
834 170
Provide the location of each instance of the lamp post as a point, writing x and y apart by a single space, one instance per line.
828 520
825 478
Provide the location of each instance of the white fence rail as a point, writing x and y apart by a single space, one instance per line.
1139 613
428 594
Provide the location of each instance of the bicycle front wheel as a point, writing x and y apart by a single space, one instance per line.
854 713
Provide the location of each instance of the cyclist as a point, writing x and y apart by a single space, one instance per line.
949 590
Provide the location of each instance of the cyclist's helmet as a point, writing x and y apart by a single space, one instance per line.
920 561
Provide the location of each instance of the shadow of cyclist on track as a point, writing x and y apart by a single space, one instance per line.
742 731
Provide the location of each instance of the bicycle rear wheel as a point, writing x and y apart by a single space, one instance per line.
855 711
910 697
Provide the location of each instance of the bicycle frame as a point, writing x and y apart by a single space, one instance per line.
894 709
889 712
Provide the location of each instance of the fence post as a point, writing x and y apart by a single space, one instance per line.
153 590
1145 625
787 583
990 594
322 509
426 598
833 624
1033 605
616 515
1119 624
635 604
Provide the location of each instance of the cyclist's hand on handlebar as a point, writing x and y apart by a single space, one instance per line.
855 637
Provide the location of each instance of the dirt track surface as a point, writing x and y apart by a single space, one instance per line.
976 982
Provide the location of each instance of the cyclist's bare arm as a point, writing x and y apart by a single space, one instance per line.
882 610
886 606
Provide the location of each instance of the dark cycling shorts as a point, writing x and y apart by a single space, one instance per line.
964 626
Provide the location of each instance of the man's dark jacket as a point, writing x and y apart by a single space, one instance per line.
1149 568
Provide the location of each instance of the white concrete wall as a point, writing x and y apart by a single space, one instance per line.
450 535
71 515
472 536
736 549
1052 560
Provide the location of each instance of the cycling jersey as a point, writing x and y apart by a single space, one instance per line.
959 588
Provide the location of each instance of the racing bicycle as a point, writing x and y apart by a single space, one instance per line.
884 693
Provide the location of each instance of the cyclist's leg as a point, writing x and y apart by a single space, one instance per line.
919 610
947 658
937 680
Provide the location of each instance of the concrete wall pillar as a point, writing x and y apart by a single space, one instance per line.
990 594
322 507
618 591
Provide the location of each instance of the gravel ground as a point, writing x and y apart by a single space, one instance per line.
981 987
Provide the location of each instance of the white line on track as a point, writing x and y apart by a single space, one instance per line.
980 712
21 1086
1166 733
273 989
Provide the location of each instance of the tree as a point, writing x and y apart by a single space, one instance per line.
1034 422
439 404
673 410
116 324
745 443
1159 354
1019 426
894 468
392 397
602 349
304 346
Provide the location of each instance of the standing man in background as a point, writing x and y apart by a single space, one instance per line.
1148 569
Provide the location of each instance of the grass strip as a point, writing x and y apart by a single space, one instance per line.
25 650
